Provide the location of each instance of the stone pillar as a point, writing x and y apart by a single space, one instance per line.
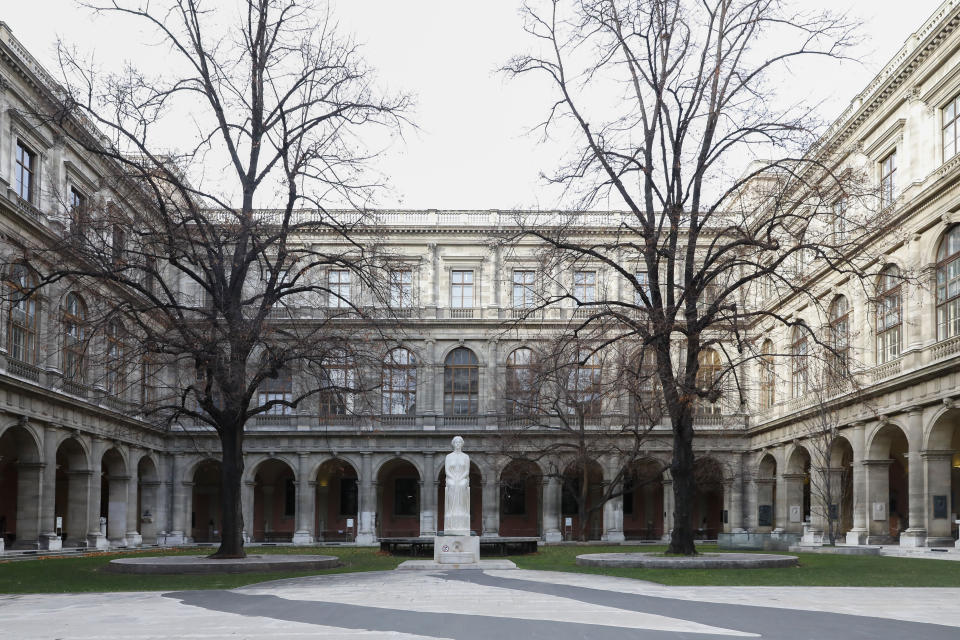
667 507
49 539
613 520
782 509
149 516
878 501
793 485
916 533
179 522
95 537
306 502
861 506
491 504
551 510
161 510
428 496
763 494
938 525
733 498
78 498
29 475
246 507
366 534
119 489
132 534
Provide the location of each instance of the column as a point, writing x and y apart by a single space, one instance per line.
133 533
162 511
118 488
938 524
916 533
95 538
667 506
178 533
612 508
368 502
246 508
551 510
878 500
733 497
49 539
306 502
763 494
78 497
793 489
858 535
150 515
491 504
28 504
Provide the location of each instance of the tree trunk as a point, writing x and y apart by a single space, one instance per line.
684 486
231 475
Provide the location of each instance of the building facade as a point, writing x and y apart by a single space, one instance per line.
80 467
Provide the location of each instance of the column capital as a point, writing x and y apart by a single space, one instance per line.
878 463
936 454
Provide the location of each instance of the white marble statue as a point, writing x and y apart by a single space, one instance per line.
456 507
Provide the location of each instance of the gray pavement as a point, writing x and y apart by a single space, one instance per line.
469 605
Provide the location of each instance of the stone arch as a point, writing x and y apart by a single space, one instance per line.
253 463
206 514
887 482
766 482
521 494
840 462
20 477
643 500
476 497
337 500
398 498
942 457
798 490
572 500
274 501
471 345
73 476
708 506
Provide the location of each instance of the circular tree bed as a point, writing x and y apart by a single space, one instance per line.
156 565
702 561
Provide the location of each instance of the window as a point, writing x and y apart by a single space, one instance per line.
461 374
400 383
767 379
278 389
78 210
888 315
585 286
74 317
840 220
23 321
338 288
149 372
839 317
348 497
888 182
708 376
647 407
405 497
523 289
584 384
116 355
24 173
643 288
461 289
401 288
336 386
951 128
118 244
948 285
521 395
513 497
800 352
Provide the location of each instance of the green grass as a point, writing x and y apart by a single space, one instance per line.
816 569
86 574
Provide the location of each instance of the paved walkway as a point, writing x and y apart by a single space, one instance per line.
475 605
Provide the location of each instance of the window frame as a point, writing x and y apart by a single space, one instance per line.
714 368
889 334
452 371
953 123
768 379
339 374
29 170
525 289
948 306
339 293
73 330
585 286
520 399
888 179
800 366
459 286
29 307
402 387
401 288
839 325
115 379
279 388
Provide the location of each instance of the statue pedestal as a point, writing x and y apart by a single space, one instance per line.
456 549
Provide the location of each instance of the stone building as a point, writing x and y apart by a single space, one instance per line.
80 467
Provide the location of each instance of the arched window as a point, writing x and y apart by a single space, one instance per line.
337 382
461 377
399 383
800 359
888 315
521 395
116 359
767 376
277 389
23 321
74 319
584 384
708 376
647 407
948 285
839 319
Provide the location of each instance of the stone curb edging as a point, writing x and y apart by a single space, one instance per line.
198 565
703 561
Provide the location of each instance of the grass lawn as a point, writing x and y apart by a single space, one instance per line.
72 574
816 569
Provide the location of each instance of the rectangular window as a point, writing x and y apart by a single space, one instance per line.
585 286
888 179
348 497
78 209
401 288
523 289
951 128
840 220
338 287
405 497
24 172
461 289
643 285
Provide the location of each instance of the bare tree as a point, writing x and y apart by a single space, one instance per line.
224 281
659 99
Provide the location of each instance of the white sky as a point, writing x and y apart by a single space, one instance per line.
471 150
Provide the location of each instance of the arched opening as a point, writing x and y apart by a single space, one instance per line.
113 496
274 502
574 501
70 503
521 484
643 501
398 500
797 479
476 498
148 484
708 503
461 378
337 505
943 475
206 517
887 484
19 489
767 494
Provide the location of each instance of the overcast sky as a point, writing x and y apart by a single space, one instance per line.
472 149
